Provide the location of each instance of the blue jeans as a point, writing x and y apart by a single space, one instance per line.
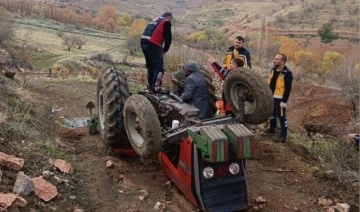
279 113
154 63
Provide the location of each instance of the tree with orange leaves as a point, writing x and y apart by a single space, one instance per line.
107 18
288 47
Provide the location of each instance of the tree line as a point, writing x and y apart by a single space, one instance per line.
105 19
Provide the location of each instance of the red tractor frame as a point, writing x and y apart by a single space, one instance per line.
203 158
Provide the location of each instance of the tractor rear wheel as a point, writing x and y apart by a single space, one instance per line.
258 95
210 90
112 92
142 126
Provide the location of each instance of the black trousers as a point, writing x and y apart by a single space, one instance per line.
154 63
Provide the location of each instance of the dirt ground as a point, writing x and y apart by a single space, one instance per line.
281 173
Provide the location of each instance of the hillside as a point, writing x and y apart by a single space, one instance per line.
43 115
240 14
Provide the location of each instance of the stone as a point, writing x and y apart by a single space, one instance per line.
339 207
324 202
6 200
260 199
109 164
43 189
23 184
63 166
157 206
144 192
19 201
11 161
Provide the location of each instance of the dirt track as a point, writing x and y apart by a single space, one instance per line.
281 173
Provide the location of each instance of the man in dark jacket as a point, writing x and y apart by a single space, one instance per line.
155 41
237 50
280 81
195 91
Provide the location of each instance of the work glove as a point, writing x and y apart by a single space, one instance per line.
282 104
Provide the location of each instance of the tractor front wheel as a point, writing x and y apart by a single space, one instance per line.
142 126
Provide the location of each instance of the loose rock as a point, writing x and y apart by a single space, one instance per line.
339 207
6 200
324 202
109 164
23 184
260 199
63 166
43 189
11 161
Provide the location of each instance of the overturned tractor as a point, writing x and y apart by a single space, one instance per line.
204 158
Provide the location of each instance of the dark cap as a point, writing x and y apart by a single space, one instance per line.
167 14
191 65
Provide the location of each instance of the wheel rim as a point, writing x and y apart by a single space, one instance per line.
135 130
101 110
250 103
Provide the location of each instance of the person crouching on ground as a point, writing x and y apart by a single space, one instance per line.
195 90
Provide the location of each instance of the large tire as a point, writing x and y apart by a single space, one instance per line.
210 91
142 126
112 92
259 101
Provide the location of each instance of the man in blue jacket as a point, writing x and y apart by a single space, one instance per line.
195 90
280 81
155 41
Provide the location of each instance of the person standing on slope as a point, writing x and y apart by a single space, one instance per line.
155 42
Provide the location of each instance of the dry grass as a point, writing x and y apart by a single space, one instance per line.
47 42
3 117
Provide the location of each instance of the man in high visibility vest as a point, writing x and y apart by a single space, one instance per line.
237 51
155 42
280 81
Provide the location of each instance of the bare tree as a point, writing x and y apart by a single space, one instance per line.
133 44
69 41
348 77
80 41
